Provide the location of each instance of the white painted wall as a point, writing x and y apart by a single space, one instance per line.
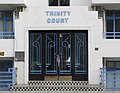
37 3
12 2
34 18
7 46
110 48
80 2
20 72
104 2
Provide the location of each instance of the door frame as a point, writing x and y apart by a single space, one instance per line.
74 77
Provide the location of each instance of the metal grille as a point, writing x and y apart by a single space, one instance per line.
110 78
7 78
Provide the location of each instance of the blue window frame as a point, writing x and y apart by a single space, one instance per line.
59 2
112 24
6 25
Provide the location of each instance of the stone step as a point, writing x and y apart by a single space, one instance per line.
58 83
88 87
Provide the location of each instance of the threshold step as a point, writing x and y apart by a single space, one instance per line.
56 88
58 82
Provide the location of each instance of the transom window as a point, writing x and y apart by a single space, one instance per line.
112 24
6 25
59 2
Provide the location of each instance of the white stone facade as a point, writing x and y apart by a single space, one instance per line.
82 16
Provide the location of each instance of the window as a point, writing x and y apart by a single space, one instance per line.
110 73
5 65
112 24
6 25
59 3
111 63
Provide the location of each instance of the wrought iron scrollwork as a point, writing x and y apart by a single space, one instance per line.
51 49
36 43
65 51
36 53
80 53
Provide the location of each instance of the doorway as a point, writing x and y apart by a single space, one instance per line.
58 55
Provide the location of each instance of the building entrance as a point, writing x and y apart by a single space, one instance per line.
58 55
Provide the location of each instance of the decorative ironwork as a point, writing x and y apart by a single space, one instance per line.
64 49
36 53
51 51
80 53
65 53
57 53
